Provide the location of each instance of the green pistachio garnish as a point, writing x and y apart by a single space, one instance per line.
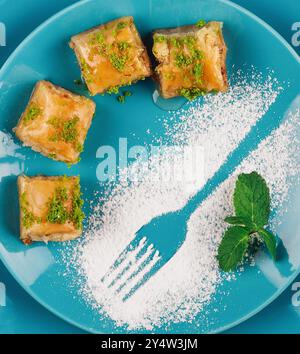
52 156
96 38
113 90
77 215
176 42
182 60
57 212
79 147
86 71
201 23
33 112
69 132
192 93
169 75
118 62
189 57
127 93
197 71
189 41
38 220
159 38
197 54
121 99
28 219
99 37
123 45
65 130
121 25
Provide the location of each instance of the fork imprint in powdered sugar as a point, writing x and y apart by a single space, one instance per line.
207 123
129 270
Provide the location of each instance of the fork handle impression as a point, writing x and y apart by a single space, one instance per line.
248 144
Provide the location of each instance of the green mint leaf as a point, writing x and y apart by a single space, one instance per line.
252 199
239 221
270 241
233 247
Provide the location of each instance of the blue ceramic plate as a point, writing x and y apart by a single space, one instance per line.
45 55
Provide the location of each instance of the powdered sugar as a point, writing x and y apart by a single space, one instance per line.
180 289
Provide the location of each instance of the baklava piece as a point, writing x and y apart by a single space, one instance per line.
55 122
111 55
50 208
192 60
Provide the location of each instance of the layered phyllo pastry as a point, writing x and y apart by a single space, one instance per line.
55 122
191 60
111 55
50 208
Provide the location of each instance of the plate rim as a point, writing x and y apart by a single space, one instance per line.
6 64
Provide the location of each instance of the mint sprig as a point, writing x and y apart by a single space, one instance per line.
251 202
251 199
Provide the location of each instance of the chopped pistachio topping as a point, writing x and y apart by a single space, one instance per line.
201 23
57 212
159 38
28 219
182 60
197 54
169 75
38 220
188 58
33 112
86 71
192 93
127 93
176 42
118 62
65 130
79 147
69 130
113 90
197 71
77 215
52 155
121 99
116 52
121 25
54 121
123 45
99 37
96 38
189 41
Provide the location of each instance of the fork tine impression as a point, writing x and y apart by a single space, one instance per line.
130 269
133 259
125 258
138 266
141 277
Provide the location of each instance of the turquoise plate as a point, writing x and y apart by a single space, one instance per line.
45 55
